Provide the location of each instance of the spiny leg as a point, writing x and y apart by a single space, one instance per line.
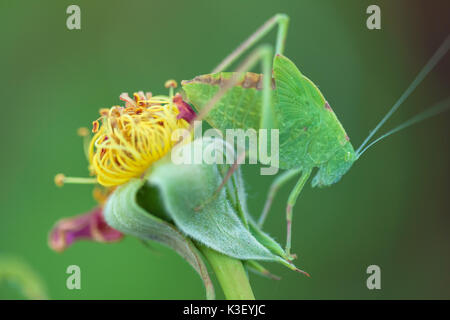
290 205
262 54
240 159
274 187
281 20
265 54
239 204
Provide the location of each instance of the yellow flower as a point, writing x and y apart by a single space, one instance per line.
131 138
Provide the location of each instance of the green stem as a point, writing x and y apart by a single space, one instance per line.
231 275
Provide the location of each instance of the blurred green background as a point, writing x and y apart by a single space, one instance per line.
391 209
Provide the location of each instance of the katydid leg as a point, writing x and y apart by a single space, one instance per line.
279 181
290 205
240 159
267 117
260 54
281 20
263 55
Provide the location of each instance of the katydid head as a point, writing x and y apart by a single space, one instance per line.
333 170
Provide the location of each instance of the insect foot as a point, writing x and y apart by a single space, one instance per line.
292 256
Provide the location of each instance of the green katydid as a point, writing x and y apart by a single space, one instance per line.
282 98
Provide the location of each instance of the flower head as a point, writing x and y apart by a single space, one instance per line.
132 137
127 141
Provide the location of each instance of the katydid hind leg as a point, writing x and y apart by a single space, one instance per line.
258 55
239 160
264 55
280 20
268 116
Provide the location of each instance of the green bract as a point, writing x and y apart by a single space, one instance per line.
181 208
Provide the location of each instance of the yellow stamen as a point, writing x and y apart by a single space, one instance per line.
83 132
170 84
61 179
95 125
103 111
131 138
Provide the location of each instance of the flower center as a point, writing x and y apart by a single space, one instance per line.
130 138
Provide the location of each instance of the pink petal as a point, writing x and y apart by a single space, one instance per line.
88 226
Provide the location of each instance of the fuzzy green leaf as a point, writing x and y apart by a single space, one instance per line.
186 195
123 213
189 195
186 187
